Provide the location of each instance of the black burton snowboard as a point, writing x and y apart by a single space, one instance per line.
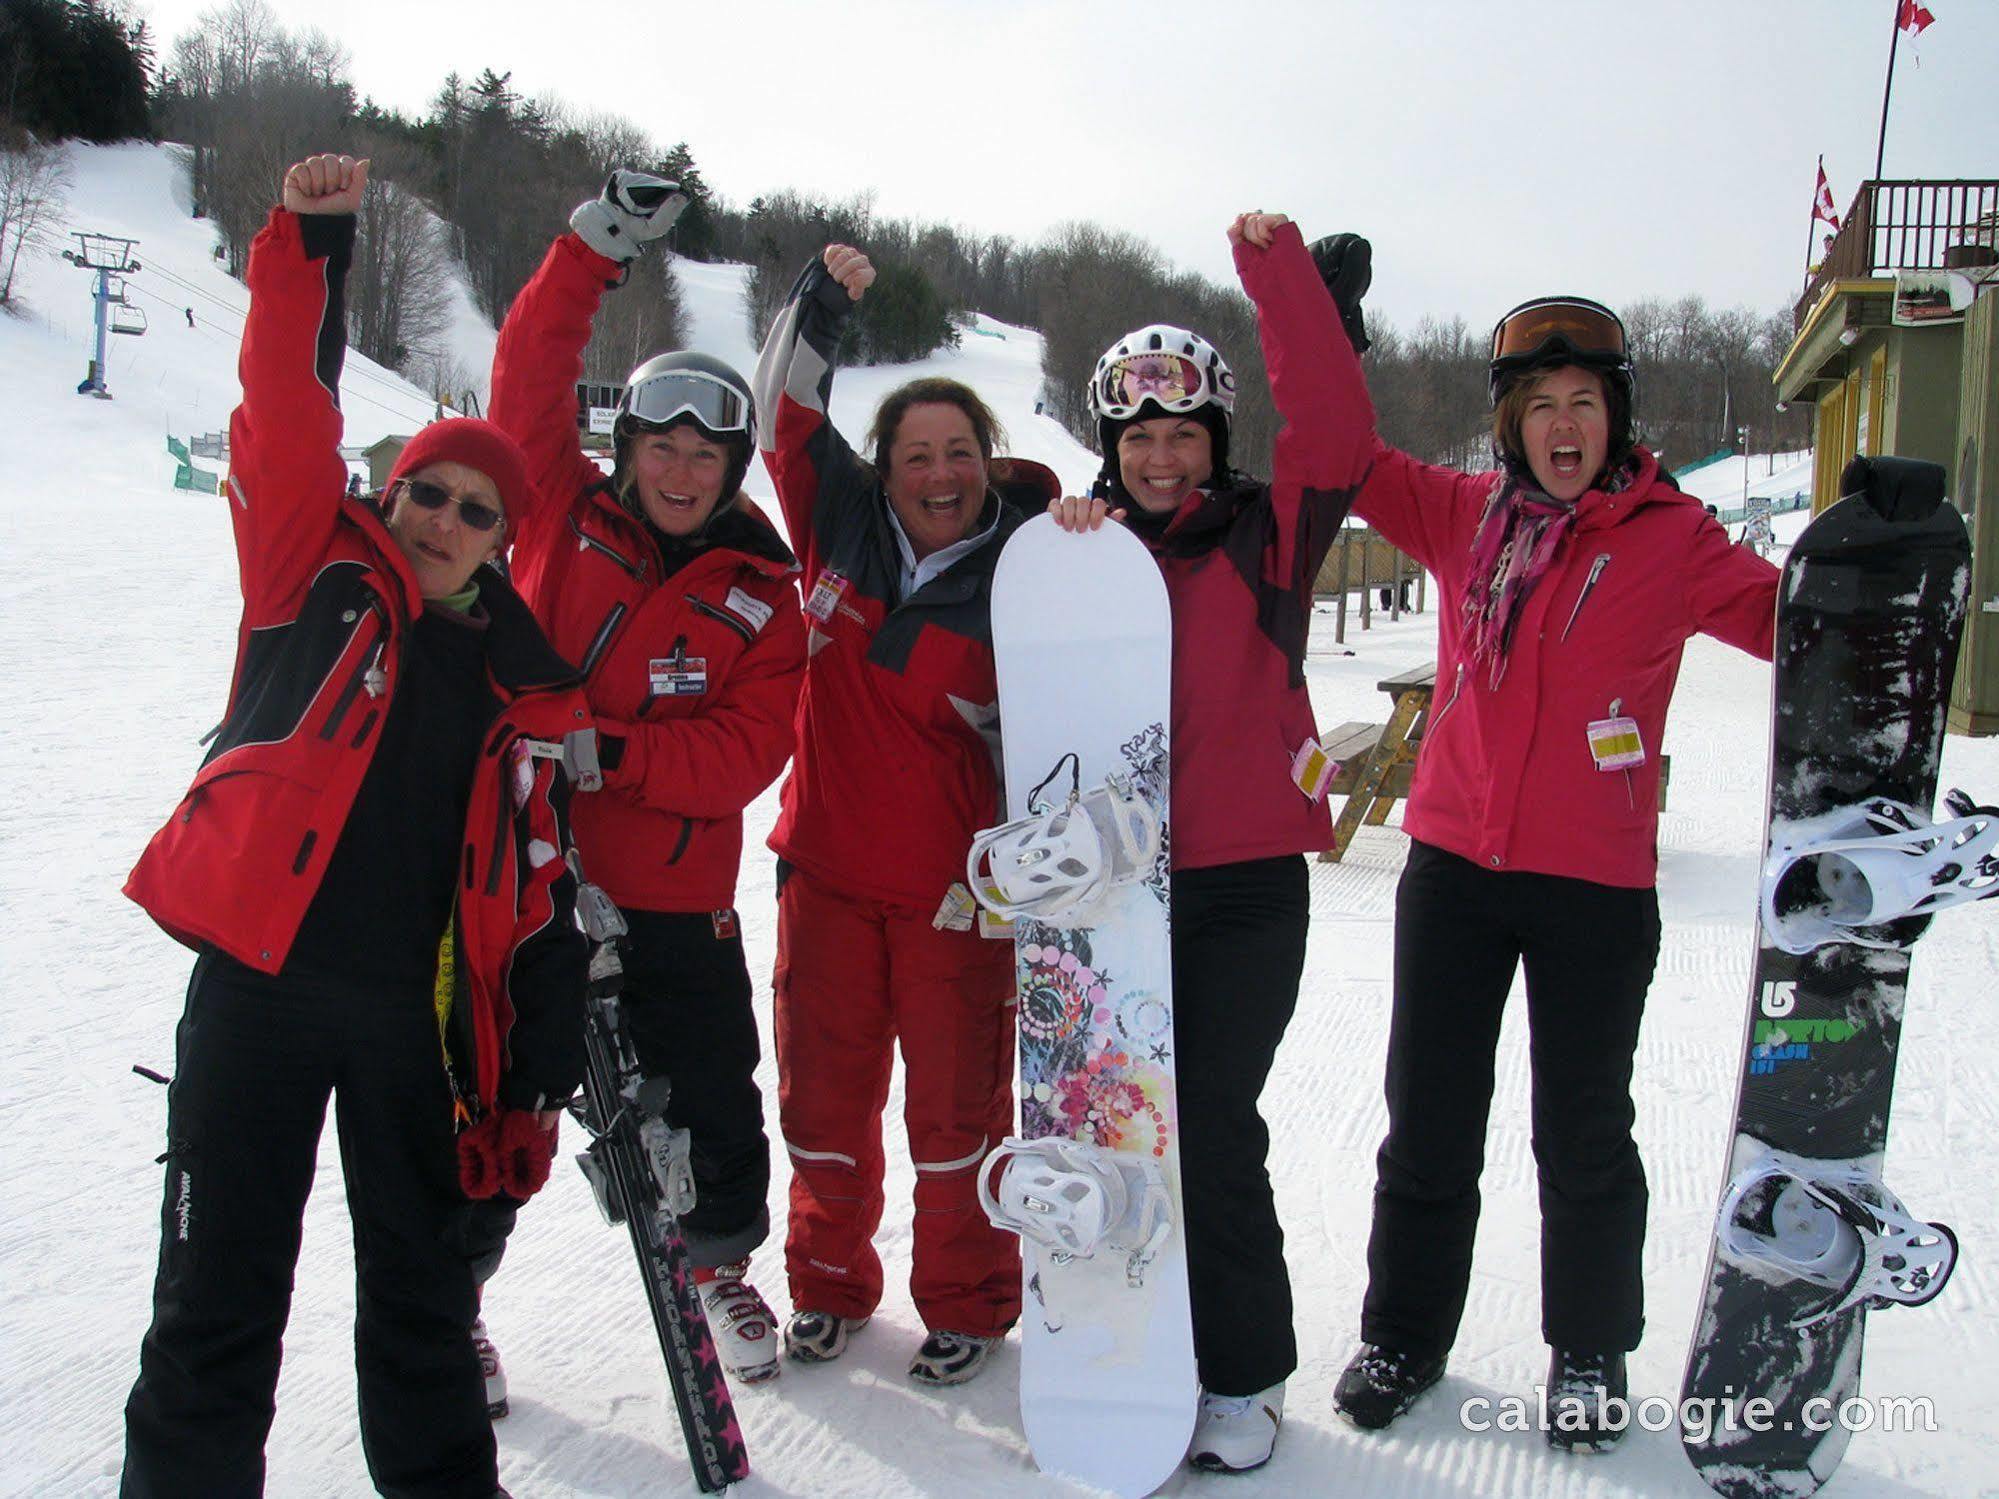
1868 616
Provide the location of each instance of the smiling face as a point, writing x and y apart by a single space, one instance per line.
1163 459
678 476
441 547
936 479
1565 430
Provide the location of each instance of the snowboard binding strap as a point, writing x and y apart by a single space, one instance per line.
1073 1198
1059 861
1836 1226
1841 877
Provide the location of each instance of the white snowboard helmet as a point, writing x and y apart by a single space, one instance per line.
1161 370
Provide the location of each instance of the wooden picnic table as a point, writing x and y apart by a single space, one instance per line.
1378 760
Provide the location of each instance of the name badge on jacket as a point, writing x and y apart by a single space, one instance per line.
679 676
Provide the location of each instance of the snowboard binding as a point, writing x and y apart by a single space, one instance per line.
1060 860
1843 876
1836 1226
1073 1198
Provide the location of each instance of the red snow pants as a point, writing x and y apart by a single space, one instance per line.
854 977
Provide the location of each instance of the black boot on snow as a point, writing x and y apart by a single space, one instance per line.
1379 1384
1587 1405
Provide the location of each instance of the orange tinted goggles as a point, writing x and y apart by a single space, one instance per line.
1564 325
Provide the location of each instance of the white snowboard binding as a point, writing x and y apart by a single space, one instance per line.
1836 1226
1073 1198
1861 867
1059 861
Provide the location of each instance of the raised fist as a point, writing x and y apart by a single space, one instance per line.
634 209
325 184
848 266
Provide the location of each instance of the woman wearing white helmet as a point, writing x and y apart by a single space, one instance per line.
1239 557
675 597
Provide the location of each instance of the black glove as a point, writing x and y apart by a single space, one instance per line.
1346 265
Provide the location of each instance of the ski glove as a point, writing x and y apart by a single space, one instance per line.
507 1151
1346 265
634 209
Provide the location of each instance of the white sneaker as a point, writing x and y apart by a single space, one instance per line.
1235 1433
950 1357
489 1365
745 1332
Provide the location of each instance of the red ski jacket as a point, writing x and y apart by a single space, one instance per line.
328 600
898 727
1239 561
1506 776
697 672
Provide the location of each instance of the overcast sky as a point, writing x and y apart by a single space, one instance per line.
1492 149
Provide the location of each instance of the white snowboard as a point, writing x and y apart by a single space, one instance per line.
1083 641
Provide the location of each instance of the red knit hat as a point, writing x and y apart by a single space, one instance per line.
476 444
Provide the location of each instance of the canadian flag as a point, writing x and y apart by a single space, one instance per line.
1822 207
1913 17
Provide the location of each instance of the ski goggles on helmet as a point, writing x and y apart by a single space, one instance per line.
1557 330
718 407
1172 381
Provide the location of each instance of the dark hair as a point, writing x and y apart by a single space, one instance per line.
932 390
1511 409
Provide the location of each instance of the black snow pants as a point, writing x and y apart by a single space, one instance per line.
1238 954
256 1059
1589 951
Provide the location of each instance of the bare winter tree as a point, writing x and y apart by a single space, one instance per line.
399 291
34 181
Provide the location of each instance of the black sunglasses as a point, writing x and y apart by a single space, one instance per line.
429 496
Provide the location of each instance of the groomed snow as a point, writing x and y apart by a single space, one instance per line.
117 619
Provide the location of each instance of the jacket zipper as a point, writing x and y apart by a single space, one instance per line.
1457 686
636 569
702 606
686 836
602 640
367 672
1595 571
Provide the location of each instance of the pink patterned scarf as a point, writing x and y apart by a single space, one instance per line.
1518 535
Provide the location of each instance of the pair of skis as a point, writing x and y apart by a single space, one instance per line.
638 1168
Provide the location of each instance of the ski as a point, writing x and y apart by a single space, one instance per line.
1808 1237
638 1169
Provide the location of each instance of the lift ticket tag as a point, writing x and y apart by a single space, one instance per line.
1312 770
1615 745
825 595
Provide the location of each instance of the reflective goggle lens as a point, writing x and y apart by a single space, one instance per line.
715 405
1174 381
1586 329
429 496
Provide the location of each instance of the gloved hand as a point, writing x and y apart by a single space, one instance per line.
509 1151
634 209
1346 265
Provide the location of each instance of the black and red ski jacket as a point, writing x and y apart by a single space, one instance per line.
696 672
897 762
328 601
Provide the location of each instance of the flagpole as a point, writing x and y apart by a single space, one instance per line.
1881 148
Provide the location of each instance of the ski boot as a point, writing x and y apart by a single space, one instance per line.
1581 1387
745 1332
1379 1384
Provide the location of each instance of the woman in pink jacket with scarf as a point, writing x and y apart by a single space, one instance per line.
1571 577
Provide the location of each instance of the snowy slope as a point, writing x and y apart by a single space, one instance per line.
117 612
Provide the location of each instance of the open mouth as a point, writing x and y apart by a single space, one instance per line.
433 551
942 504
679 501
1566 459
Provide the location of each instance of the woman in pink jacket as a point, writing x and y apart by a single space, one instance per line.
1570 579
1239 557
